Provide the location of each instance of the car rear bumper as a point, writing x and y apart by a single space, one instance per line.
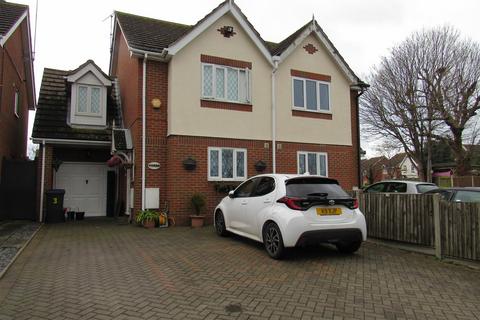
330 236
298 230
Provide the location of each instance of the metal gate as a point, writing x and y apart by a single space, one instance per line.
18 190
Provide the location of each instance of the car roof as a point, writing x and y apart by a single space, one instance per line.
407 181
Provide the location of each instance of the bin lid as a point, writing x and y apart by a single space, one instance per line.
55 191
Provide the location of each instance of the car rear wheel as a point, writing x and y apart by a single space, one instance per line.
348 247
220 224
272 239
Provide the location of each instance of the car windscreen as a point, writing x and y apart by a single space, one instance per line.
422 188
308 187
467 196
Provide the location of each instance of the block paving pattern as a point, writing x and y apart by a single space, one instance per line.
107 269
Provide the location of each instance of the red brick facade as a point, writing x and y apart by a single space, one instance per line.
13 78
178 184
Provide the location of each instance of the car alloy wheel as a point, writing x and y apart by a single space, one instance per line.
273 241
220 224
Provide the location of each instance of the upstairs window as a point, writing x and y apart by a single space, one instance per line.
225 83
227 164
311 95
89 100
315 163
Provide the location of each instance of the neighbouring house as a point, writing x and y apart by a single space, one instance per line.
17 85
374 170
402 167
381 168
211 104
76 113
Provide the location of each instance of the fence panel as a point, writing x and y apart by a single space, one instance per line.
460 230
400 217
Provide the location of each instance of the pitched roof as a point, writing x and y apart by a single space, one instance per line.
9 15
52 110
152 35
397 159
366 164
149 34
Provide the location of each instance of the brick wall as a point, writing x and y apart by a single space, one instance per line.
13 133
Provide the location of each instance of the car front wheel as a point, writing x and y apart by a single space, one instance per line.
349 247
220 227
272 239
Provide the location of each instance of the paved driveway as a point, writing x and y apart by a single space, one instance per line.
109 270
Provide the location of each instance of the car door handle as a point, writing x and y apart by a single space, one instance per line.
244 203
267 201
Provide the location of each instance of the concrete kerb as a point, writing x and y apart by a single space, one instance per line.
4 271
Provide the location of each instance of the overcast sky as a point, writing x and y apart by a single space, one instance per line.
70 32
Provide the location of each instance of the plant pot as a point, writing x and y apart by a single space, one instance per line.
79 215
197 221
149 224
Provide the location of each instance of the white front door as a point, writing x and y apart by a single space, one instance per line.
85 187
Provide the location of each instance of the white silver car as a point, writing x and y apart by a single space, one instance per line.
401 186
282 210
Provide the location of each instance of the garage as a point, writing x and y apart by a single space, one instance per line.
85 187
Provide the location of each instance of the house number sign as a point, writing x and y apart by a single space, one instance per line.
153 165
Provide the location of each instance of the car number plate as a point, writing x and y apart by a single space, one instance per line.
329 211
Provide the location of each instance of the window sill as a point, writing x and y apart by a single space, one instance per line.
226 105
226 180
86 114
312 114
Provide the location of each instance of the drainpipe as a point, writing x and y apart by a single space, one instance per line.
40 215
359 161
274 117
144 99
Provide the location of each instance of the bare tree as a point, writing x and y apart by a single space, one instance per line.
425 89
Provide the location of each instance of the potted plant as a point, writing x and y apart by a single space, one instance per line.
198 203
147 218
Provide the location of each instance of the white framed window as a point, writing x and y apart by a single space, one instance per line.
310 95
225 83
315 163
226 164
16 104
89 100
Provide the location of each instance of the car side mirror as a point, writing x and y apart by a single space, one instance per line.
231 194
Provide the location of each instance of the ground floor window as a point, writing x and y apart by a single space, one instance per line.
315 163
227 164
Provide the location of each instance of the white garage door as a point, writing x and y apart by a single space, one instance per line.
85 187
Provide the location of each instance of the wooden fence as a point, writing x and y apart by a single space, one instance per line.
453 229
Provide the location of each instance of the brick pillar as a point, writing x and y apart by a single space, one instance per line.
48 182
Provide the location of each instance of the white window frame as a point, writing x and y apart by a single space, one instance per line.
317 155
16 104
214 88
89 112
317 87
235 177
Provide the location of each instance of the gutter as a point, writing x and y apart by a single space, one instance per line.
72 142
42 183
274 116
144 99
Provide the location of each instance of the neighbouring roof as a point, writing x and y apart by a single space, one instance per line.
152 35
397 159
366 164
52 110
9 15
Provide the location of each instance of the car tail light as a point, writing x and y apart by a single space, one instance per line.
355 203
292 203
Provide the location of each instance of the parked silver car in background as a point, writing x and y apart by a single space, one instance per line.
400 186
